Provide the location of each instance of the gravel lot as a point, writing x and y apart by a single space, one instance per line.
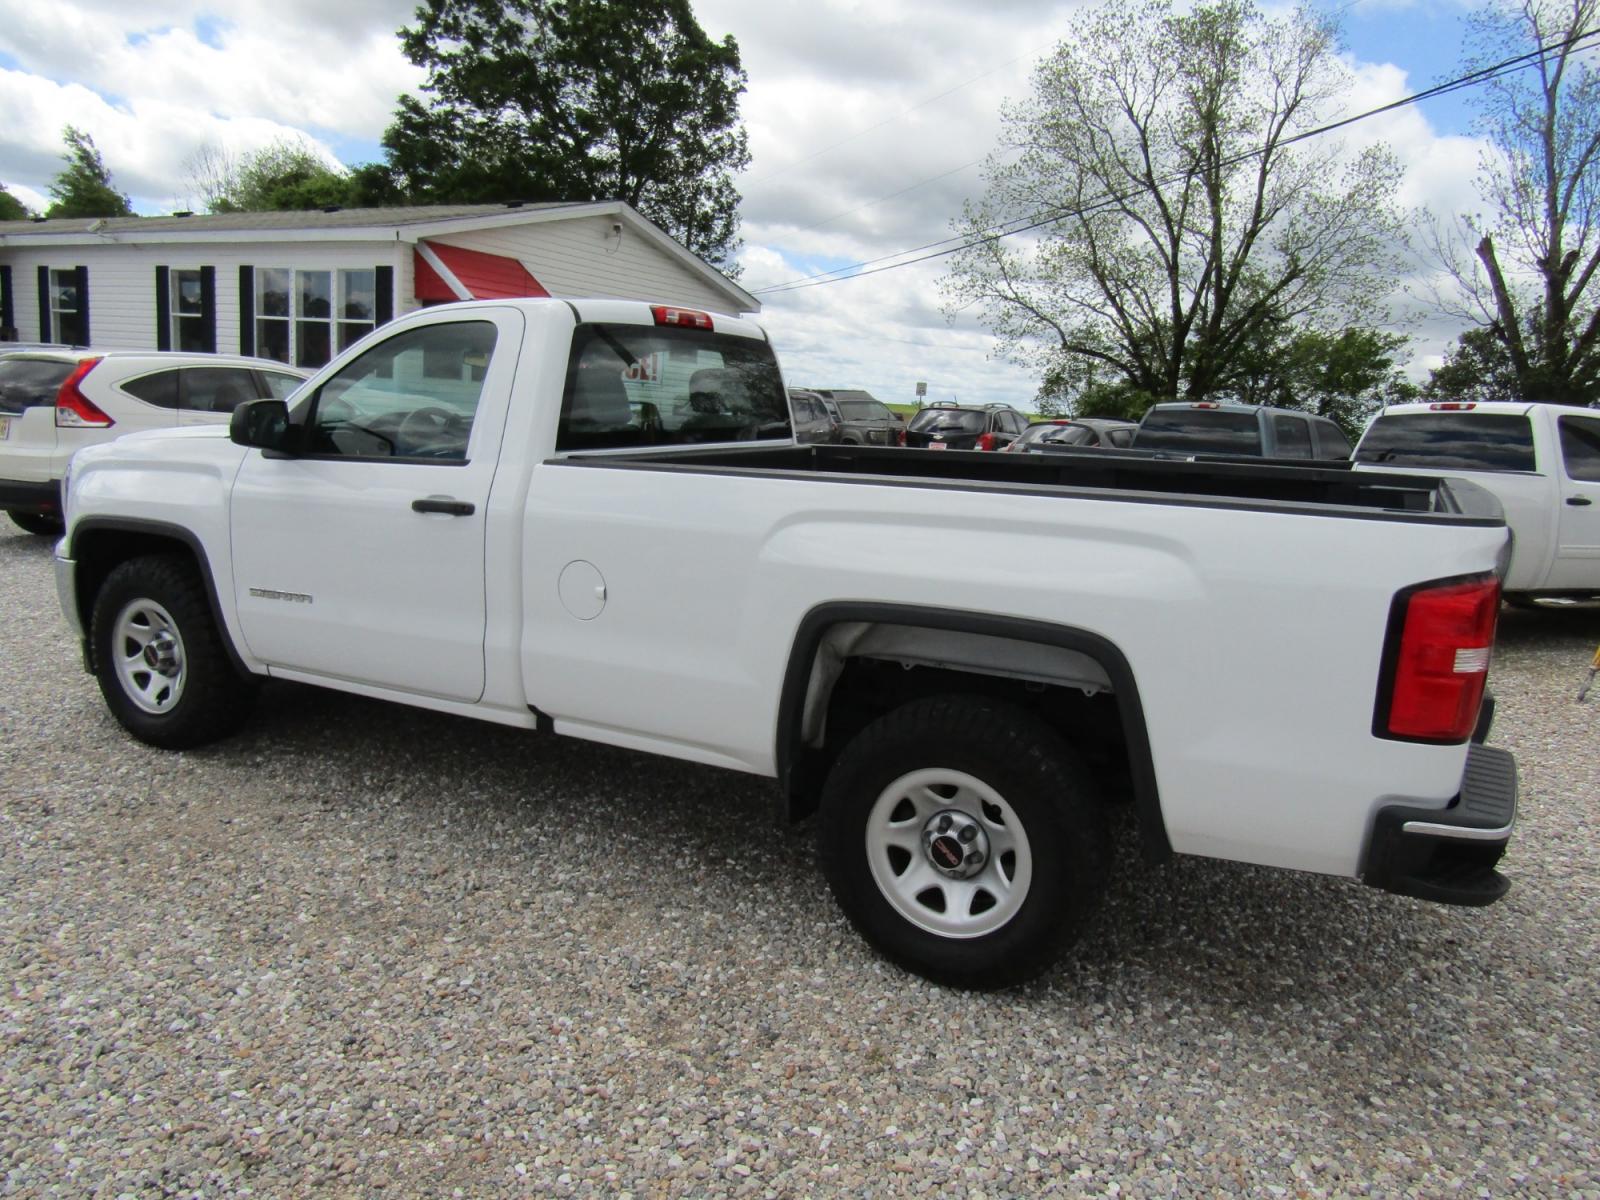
369 950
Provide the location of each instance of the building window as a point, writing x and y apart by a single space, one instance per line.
66 308
302 315
188 312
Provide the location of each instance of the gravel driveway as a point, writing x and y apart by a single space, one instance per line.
373 951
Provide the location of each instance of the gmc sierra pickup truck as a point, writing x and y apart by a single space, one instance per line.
590 519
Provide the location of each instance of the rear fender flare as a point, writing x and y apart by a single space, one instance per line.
804 676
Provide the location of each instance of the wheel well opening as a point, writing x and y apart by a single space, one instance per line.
861 670
99 552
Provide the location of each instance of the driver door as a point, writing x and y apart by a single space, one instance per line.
361 558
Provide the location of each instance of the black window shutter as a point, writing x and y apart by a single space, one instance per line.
208 308
8 311
44 304
247 311
163 310
82 281
383 302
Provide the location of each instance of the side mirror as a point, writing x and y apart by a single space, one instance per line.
263 424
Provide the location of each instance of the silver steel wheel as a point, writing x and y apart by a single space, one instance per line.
948 853
147 655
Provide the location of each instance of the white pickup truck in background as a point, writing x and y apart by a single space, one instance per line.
1542 461
589 518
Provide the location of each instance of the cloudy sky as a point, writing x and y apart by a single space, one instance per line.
868 122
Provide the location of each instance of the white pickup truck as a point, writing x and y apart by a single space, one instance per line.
1541 461
589 518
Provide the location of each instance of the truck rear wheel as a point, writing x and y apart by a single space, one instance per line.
964 840
160 659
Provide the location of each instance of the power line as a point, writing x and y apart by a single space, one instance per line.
1018 225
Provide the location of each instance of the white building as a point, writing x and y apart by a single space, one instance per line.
300 286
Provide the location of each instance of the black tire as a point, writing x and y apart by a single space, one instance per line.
188 694
40 523
1031 770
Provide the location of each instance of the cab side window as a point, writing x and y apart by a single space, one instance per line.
1580 448
1293 436
412 396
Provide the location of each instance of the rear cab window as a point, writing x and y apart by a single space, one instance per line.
1454 441
1200 431
637 385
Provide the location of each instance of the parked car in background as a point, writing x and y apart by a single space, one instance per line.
1075 433
946 426
1252 430
864 420
54 401
812 420
1541 460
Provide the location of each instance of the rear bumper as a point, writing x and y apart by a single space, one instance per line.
26 496
1449 855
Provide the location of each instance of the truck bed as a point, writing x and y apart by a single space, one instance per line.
1122 475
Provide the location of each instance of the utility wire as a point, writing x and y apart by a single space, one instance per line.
994 233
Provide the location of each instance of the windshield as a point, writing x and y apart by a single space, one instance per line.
1199 431
863 410
1457 441
947 420
632 385
30 382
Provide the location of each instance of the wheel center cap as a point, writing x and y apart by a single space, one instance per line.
955 844
161 653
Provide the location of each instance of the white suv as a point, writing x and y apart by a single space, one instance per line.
54 401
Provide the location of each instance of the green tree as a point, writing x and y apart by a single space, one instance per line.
83 187
1531 279
286 175
1477 367
576 100
11 209
1173 219
1344 375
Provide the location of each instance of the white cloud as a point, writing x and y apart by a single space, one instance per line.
866 122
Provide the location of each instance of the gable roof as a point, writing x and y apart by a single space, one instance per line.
406 223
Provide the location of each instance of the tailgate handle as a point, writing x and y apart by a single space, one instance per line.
444 504
1578 501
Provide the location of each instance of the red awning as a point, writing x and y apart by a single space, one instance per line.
452 273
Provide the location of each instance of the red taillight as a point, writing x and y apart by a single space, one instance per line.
1437 660
1205 404
683 318
1454 406
986 441
900 436
74 410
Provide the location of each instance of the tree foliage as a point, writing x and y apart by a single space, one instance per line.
575 100
1345 376
1531 278
11 209
83 187
1477 367
1177 222
286 175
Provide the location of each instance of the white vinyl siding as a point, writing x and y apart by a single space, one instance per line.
122 281
582 257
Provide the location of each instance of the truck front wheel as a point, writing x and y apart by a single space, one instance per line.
964 840
159 658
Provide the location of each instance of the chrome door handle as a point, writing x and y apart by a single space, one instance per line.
443 504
